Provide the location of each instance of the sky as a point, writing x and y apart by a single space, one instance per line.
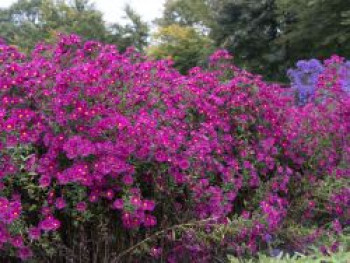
113 9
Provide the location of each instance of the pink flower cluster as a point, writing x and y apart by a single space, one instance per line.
130 134
9 210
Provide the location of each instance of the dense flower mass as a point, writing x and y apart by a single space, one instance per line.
308 75
87 131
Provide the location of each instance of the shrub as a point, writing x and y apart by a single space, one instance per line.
306 76
113 157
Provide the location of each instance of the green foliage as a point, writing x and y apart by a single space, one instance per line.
134 33
183 33
27 22
79 18
324 25
274 32
187 13
248 30
186 46
339 257
267 36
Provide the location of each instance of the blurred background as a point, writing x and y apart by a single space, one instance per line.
265 36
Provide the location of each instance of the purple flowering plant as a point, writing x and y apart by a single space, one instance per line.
99 146
307 76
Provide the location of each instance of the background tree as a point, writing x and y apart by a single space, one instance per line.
187 47
248 29
195 13
323 25
267 36
183 33
134 33
20 24
28 21
79 17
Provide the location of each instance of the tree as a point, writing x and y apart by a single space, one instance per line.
20 23
195 13
186 46
27 22
183 33
79 17
322 24
248 30
135 33
267 36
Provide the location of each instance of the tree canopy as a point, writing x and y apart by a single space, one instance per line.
265 36
28 21
187 47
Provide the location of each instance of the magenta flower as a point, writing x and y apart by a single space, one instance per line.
184 164
148 205
45 210
4 204
156 252
78 146
150 221
49 224
128 180
44 181
25 253
81 206
337 227
118 204
17 241
135 201
109 194
34 233
60 203
93 197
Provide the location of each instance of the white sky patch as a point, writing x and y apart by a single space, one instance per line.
113 9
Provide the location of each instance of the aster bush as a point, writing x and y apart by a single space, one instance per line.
113 157
305 77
